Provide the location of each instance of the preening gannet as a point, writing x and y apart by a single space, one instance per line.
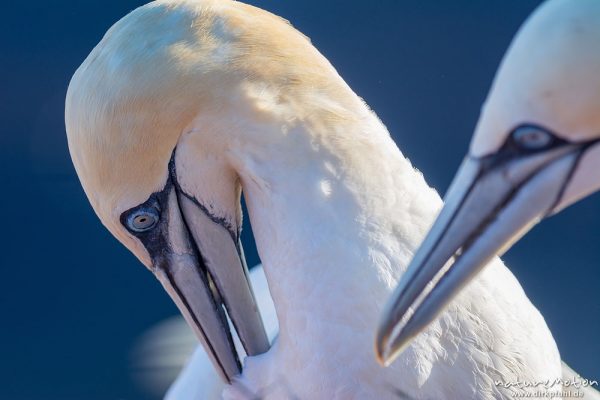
185 104
535 151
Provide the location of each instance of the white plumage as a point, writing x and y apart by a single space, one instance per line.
185 103
198 378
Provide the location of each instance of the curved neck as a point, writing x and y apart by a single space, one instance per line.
336 212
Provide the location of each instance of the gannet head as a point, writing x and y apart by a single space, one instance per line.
149 116
536 150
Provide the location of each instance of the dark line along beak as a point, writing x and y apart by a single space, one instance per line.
491 203
204 271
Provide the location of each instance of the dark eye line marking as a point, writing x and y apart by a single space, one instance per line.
513 144
154 202
234 232
565 184
511 150
156 199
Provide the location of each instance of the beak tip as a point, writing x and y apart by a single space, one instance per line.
385 356
379 354
382 347
389 344
383 360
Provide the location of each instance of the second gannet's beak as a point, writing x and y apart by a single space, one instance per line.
200 263
492 202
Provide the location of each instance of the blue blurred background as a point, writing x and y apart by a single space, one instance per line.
73 301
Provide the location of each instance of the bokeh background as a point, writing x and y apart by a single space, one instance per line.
73 301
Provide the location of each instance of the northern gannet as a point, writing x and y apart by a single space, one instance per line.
535 151
183 105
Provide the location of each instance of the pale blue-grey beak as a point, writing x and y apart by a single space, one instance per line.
491 203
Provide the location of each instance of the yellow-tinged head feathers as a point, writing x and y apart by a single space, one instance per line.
550 76
160 67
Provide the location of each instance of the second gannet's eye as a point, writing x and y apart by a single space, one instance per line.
143 219
531 138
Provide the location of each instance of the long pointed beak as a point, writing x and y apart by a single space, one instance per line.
202 267
225 262
491 203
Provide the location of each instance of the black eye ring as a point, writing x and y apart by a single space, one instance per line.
532 138
143 219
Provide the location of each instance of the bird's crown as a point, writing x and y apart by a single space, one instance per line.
161 66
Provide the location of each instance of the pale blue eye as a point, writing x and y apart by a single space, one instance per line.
532 138
143 220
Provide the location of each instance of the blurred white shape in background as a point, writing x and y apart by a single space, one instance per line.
160 354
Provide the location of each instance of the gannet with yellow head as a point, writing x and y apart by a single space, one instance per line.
184 104
535 151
